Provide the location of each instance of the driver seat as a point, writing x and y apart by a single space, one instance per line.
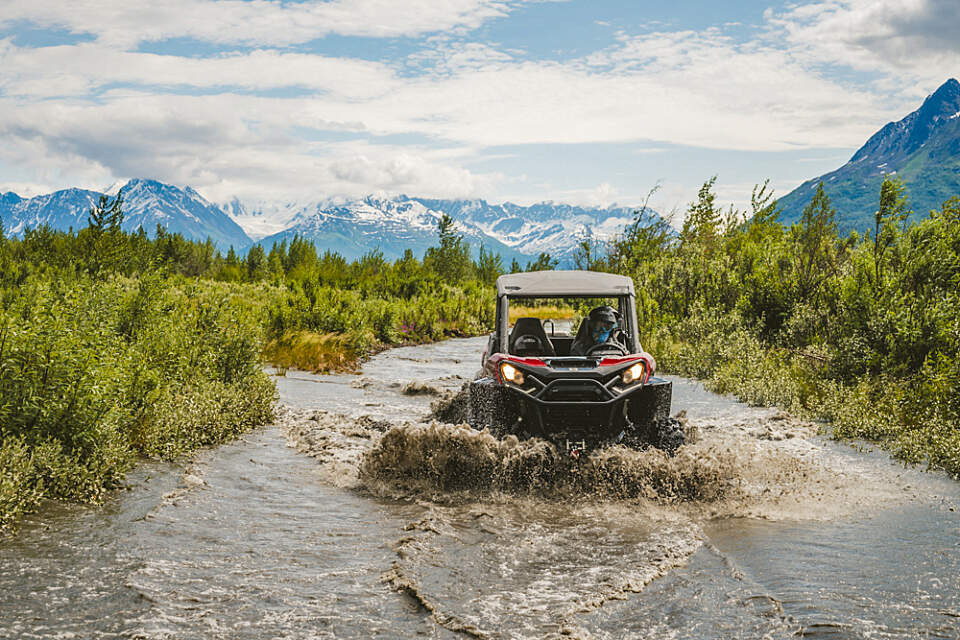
618 336
528 338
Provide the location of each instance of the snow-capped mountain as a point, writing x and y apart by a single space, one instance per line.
147 203
393 225
543 227
61 210
923 149
349 227
263 218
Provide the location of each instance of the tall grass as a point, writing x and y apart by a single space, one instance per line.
327 329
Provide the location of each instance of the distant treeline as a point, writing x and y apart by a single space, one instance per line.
102 247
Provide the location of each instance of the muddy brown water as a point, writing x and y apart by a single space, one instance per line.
353 518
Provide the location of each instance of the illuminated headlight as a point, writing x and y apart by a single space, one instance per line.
511 373
634 373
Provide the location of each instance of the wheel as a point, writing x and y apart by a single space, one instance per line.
669 435
491 407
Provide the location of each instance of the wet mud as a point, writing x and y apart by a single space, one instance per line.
519 540
371 510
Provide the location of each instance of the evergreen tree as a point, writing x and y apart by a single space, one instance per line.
256 263
104 241
543 263
489 266
451 260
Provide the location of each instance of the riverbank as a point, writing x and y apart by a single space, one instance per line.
884 411
98 374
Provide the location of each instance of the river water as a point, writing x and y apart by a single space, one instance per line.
353 517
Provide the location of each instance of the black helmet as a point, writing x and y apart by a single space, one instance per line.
603 320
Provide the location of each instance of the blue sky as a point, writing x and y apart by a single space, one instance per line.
583 101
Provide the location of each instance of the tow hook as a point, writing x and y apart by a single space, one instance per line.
575 448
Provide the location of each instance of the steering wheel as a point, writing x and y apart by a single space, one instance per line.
528 342
607 345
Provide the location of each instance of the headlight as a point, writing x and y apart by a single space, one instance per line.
634 373
511 373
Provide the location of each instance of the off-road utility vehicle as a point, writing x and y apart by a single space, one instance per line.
531 385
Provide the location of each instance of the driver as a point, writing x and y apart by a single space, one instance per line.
601 328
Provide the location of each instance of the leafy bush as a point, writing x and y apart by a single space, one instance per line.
94 373
863 331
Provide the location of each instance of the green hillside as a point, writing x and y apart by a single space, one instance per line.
923 149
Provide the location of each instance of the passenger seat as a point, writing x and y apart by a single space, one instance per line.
528 338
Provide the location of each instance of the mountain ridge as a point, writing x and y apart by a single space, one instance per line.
396 223
923 148
147 203
351 227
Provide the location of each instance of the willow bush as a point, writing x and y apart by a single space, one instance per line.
95 373
862 331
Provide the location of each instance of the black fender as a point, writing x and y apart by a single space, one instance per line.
652 403
492 406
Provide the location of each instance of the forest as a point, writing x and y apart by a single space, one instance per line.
116 346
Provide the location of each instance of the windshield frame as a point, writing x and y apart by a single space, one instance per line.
627 306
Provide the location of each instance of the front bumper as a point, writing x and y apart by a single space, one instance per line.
585 408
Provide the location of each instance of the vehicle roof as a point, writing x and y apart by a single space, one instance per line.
535 284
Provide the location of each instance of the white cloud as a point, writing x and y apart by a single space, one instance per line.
914 41
689 89
603 195
124 23
187 140
97 111
76 71
25 189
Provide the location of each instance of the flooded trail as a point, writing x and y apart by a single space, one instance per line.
354 517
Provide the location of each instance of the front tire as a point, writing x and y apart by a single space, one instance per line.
669 435
665 434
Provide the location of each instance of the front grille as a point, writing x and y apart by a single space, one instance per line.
572 364
576 416
575 391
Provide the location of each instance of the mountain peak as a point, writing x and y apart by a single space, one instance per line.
10 198
922 148
147 203
899 139
146 183
114 188
949 91
939 107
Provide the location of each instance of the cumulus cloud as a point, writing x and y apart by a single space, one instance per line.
215 143
257 22
913 37
256 121
687 89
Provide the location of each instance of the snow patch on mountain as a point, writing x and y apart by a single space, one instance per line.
394 224
146 204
